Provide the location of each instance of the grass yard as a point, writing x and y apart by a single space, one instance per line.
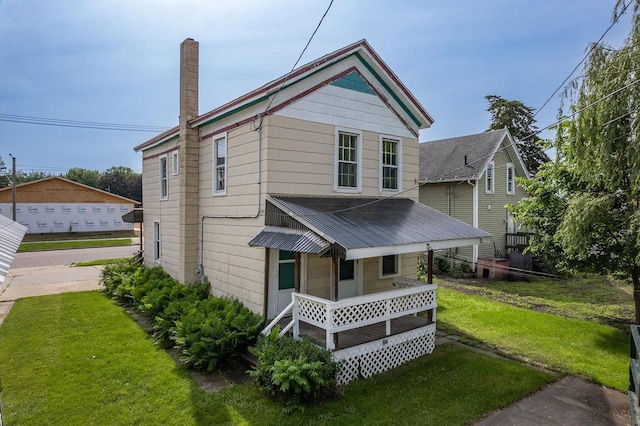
61 245
78 359
595 351
598 298
99 262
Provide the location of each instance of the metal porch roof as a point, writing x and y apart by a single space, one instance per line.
11 234
290 240
368 227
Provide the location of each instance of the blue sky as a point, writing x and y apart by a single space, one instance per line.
116 61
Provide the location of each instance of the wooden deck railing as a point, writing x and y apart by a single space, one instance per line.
360 311
518 241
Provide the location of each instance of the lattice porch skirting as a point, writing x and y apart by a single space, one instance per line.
381 355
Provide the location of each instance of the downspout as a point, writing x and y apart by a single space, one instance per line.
475 221
200 270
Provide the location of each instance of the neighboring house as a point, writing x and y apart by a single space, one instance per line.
55 204
472 178
298 194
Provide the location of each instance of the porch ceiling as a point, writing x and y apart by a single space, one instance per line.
369 227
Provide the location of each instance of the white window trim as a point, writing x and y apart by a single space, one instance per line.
175 163
166 170
399 166
381 276
157 242
513 179
216 138
492 190
358 187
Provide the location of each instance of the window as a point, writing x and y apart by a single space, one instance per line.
389 266
286 270
390 161
220 166
489 178
156 241
164 178
176 166
348 168
510 180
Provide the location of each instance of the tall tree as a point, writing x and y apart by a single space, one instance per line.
122 181
597 175
24 177
519 119
4 177
83 176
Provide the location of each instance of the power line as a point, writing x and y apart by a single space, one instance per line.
593 46
44 121
295 64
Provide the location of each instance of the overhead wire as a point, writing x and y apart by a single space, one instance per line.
45 121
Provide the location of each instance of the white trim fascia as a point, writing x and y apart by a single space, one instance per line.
359 145
364 253
381 165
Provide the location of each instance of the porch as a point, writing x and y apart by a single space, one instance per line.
369 334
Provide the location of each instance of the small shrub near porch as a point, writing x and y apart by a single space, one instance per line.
207 330
295 372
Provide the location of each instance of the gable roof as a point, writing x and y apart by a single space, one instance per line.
383 82
465 157
360 227
50 188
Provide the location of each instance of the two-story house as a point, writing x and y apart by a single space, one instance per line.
473 178
301 197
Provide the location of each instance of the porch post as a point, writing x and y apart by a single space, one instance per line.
296 279
430 267
335 278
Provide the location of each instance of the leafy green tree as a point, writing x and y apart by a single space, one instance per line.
590 195
83 176
24 177
519 119
122 181
4 177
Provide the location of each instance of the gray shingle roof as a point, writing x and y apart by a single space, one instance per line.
444 160
365 222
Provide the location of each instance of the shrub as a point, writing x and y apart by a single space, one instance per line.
213 330
295 371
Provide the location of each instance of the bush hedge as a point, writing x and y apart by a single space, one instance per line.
207 330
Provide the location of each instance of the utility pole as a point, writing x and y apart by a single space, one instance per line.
13 186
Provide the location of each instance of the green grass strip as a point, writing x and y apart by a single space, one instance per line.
102 261
595 351
60 245
78 359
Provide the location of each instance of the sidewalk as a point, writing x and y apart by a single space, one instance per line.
29 282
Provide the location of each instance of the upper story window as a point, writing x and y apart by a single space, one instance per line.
390 164
348 167
511 187
176 165
489 181
220 166
164 178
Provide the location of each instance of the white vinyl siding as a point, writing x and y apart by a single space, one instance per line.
176 165
164 178
348 163
489 182
390 164
510 179
220 166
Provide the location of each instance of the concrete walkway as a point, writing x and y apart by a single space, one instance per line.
569 401
42 281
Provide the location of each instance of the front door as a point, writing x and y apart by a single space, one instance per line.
350 274
282 280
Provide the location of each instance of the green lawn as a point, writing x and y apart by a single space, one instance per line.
78 359
99 262
60 245
595 351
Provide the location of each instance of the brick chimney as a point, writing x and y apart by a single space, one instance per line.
189 154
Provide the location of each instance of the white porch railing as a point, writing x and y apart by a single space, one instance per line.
360 311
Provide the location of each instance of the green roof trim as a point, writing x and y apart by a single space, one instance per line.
386 86
160 144
353 81
233 111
